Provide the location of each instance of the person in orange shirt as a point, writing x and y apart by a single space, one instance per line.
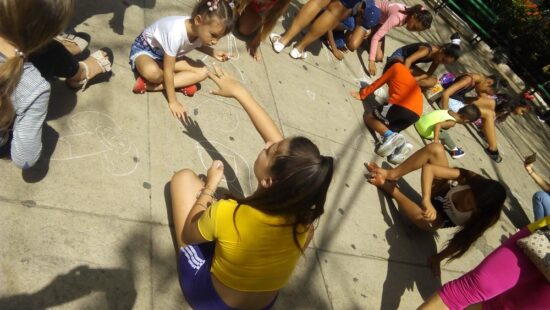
403 109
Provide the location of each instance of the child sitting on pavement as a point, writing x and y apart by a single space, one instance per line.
434 125
403 109
158 52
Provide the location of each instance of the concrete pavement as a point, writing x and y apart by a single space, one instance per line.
89 227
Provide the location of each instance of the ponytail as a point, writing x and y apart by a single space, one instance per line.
452 49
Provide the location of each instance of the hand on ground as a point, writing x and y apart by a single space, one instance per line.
372 68
338 54
227 84
178 110
355 94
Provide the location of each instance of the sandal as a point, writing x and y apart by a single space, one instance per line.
277 45
102 61
139 86
72 39
296 54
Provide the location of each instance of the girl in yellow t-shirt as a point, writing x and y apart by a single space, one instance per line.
240 252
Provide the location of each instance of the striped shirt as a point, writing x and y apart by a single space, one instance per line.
30 101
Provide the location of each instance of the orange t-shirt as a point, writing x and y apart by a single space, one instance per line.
404 90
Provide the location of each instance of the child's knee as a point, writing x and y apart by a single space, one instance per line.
152 74
202 72
183 177
436 148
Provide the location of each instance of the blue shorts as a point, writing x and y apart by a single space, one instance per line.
194 263
141 47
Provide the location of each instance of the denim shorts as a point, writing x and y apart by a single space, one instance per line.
194 263
349 4
141 47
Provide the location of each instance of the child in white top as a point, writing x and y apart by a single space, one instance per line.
157 53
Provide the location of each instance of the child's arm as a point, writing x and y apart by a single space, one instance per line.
178 110
219 55
333 48
439 126
451 90
229 87
367 91
421 52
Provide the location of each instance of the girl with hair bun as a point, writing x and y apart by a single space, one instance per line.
237 253
413 54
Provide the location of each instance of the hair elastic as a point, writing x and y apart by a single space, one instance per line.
19 53
212 5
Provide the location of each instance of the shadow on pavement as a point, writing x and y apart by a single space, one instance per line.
116 284
85 9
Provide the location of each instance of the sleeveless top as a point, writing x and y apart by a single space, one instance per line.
425 125
410 49
451 215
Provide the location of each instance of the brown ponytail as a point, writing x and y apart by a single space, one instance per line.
28 25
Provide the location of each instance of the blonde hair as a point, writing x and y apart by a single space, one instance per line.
28 25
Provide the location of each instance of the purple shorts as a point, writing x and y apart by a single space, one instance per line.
194 262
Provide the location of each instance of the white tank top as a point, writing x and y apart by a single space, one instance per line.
456 216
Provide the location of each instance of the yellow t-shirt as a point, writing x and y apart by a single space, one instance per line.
260 257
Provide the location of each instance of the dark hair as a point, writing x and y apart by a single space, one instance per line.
503 106
224 12
423 16
469 112
301 178
499 83
489 196
452 49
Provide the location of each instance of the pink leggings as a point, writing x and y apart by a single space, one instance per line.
506 279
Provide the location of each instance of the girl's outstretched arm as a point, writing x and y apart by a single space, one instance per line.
230 87
453 89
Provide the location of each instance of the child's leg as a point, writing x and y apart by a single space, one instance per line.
183 189
149 69
488 127
186 72
249 22
356 38
409 208
304 18
375 124
328 20
446 140
433 153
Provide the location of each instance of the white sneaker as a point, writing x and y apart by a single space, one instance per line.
277 45
392 142
400 154
296 54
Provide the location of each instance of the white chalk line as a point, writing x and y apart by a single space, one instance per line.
109 138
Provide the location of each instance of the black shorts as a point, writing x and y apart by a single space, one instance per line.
54 60
395 117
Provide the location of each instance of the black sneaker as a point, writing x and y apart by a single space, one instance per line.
494 155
